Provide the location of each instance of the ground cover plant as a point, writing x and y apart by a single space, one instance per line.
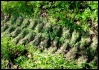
28 57
49 34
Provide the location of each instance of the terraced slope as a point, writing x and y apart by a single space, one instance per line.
52 37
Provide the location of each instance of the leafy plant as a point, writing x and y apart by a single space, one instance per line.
8 47
19 21
24 33
37 59
4 49
5 27
25 23
13 19
18 30
92 65
40 27
61 18
4 63
74 37
32 35
11 29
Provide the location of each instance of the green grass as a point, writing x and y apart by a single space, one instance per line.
34 58
67 24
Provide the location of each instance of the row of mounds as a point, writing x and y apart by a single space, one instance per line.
81 46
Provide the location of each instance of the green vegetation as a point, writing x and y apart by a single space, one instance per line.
49 34
32 35
33 58
11 29
24 33
18 31
5 27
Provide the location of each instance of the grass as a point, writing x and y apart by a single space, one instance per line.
44 60
34 58
67 25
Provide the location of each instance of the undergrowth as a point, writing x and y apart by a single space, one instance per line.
28 57
78 16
